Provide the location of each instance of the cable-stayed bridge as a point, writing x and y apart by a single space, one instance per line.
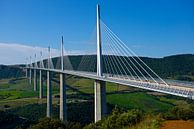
112 61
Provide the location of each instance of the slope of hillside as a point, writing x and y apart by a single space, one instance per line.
11 71
175 66
180 67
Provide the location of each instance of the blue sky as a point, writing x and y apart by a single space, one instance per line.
153 28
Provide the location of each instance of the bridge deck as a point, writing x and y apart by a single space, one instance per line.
178 90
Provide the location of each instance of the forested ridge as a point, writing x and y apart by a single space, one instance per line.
11 71
180 67
172 66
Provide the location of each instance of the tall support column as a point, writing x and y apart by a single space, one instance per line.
63 105
35 80
30 77
26 73
49 95
99 86
40 78
40 85
100 99
27 68
49 88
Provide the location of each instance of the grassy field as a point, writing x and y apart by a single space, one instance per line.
121 96
87 85
4 84
11 89
139 100
127 97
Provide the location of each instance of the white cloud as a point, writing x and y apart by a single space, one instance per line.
12 53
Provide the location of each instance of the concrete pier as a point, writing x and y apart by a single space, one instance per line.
26 73
40 85
35 80
30 77
99 99
49 95
63 105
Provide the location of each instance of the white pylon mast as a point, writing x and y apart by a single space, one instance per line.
30 61
35 65
62 53
99 50
26 62
41 61
49 59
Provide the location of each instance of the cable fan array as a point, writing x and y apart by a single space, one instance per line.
88 58
119 61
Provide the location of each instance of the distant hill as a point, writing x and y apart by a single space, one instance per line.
180 67
11 71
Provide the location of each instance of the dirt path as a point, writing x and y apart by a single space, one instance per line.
178 124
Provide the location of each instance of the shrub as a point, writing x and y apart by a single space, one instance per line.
7 118
10 121
182 110
91 126
118 119
49 123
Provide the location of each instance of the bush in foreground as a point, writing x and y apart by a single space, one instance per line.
49 123
10 121
149 121
182 111
118 120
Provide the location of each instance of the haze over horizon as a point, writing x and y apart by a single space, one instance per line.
150 28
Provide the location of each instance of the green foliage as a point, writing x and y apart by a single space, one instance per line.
33 112
149 121
49 123
176 66
139 100
182 110
7 118
10 121
166 67
84 85
20 88
11 71
118 120
172 66
16 89
14 94
183 78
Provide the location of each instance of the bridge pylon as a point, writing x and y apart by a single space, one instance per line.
63 105
49 88
40 79
30 72
99 86
35 78
26 68
35 81
40 85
